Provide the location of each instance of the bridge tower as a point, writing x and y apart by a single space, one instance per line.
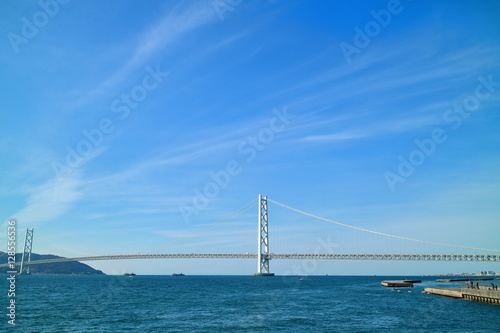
28 245
263 241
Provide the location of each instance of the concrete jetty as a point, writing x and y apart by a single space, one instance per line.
399 283
484 294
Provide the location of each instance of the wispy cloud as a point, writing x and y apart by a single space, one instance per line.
379 90
50 200
341 136
169 29
175 23
377 128
53 198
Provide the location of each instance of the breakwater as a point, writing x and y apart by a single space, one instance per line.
480 295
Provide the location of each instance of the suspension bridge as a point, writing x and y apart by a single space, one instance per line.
263 255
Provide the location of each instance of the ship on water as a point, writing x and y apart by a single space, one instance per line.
178 274
129 274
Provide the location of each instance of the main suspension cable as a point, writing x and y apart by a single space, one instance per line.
379 233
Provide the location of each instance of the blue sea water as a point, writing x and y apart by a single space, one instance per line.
239 304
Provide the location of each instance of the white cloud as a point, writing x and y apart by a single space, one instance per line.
341 136
50 200
166 31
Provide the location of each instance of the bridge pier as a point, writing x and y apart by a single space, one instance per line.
263 244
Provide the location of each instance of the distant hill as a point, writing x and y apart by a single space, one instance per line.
70 267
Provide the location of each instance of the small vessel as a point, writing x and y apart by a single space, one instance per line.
129 274
178 274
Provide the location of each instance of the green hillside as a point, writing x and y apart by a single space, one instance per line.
71 267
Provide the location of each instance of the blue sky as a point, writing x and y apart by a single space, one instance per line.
127 125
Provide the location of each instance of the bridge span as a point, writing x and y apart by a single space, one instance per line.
263 254
303 256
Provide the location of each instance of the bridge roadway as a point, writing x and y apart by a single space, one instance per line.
317 256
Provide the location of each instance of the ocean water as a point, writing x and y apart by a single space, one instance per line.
238 304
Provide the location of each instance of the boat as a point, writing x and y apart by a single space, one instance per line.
178 274
129 274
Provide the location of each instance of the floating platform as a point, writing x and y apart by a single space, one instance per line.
399 283
479 295
263 274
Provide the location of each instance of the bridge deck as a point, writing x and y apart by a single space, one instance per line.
327 256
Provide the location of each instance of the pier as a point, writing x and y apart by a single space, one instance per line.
459 280
399 283
483 294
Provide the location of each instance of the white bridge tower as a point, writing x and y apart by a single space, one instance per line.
26 258
263 244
